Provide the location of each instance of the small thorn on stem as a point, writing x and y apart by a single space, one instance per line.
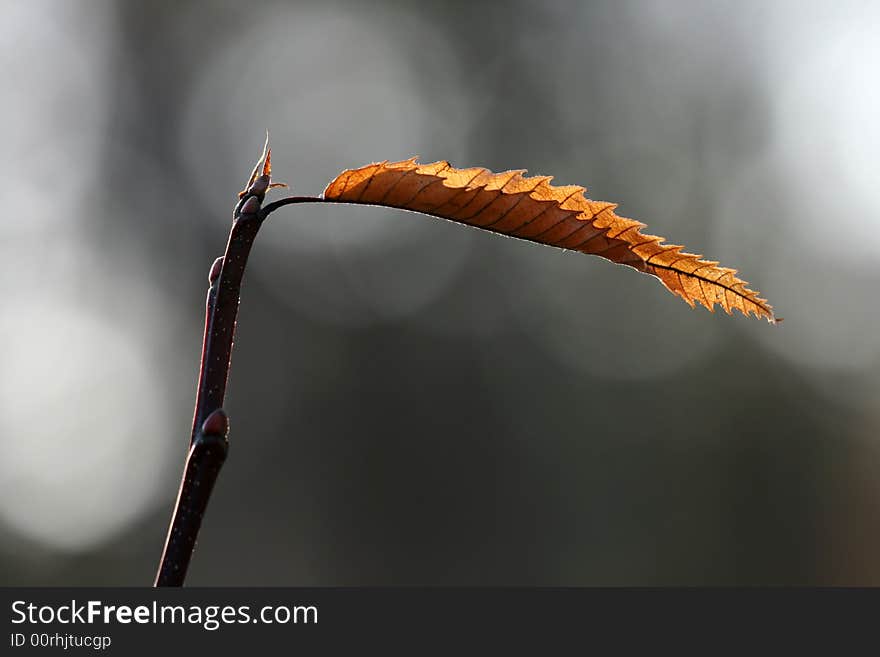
216 424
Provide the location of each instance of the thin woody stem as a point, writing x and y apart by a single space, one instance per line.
221 317
206 456
208 440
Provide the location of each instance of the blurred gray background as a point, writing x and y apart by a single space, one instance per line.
411 401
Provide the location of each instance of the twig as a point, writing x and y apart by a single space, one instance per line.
206 457
208 441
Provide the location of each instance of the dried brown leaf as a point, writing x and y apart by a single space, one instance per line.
531 208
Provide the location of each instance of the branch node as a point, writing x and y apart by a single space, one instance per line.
216 424
250 206
214 274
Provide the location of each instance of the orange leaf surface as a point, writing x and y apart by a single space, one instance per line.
531 208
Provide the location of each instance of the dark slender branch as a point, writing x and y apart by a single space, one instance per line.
208 440
213 277
206 456
221 319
